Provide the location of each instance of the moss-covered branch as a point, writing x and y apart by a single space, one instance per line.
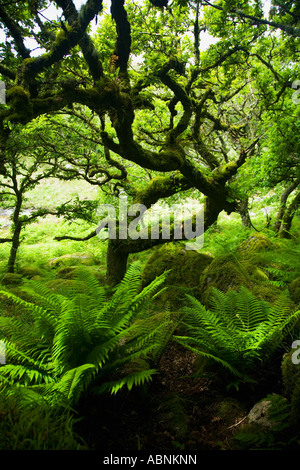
123 43
89 51
6 72
30 68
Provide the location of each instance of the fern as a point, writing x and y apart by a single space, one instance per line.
238 331
279 435
283 264
83 339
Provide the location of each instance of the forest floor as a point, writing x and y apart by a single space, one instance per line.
176 413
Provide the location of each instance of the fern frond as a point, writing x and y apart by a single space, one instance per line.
131 380
81 336
185 341
239 331
74 382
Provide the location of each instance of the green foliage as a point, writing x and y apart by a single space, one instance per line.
291 380
282 263
185 266
83 338
238 332
280 434
37 429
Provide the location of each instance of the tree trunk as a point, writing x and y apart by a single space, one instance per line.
285 227
282 208
16 235
244 213
14 248
116 262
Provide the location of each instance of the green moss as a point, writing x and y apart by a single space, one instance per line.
73 259
29 271
21 108
223 171
185 265
227 410
62 34
224 273
185 268
259 274
270 293
161 185
67 272
256 242
11 279
70 272
294 289
59 285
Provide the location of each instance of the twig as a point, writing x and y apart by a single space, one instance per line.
237 424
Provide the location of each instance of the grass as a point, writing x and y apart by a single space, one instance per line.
38 246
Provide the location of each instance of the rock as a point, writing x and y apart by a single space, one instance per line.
72 259
256 242
266 292
260 414
224 273
11 279
60 286
185 265
70 272
67 272
29 271
185 268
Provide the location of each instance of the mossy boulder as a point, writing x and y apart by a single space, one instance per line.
185 268
67 272
72 259
254 243
70 272
11 279
185 265
224 273
267 292
294 289
29 272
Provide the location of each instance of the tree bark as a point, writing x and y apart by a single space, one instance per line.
116 262
244 213
14 248
285 227
283 202
17 227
